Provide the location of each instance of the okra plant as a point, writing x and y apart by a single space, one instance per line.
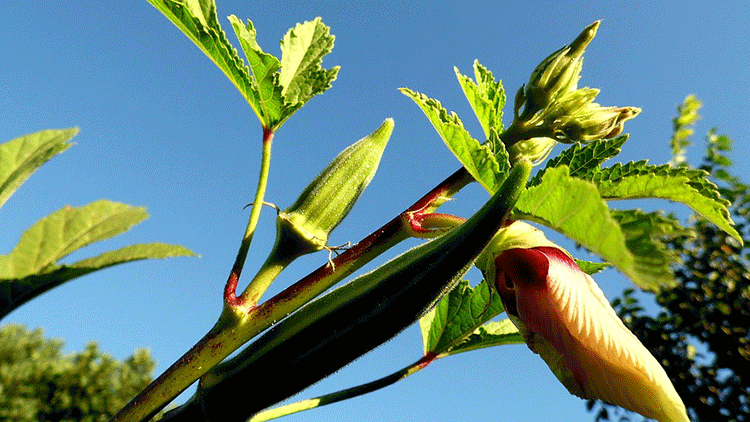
533 291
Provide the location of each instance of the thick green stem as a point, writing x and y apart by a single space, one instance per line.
331 331
210 349
235 328
338 396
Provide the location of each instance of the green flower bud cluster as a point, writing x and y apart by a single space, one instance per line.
304 227
558 74
551 108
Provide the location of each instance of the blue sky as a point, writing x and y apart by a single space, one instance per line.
162 127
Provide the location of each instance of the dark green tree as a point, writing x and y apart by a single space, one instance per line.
40 383
701 335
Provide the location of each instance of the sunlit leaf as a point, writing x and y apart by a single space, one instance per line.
479 160
302 51
32 267
486 96
584 159
636 180
197 19
679 184
20 157
574 208
646 236
66 230
459 322
17 291
264 69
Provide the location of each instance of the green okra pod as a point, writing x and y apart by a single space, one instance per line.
346 323
304 227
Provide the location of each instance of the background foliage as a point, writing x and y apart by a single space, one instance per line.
702 333
38 382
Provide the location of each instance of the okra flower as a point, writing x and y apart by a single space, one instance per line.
565 318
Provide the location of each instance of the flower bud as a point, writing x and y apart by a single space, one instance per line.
535 149
559 73
304 227
595 122
564 317
554 107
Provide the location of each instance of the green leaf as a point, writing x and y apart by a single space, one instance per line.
21 157
646 236
638 179
591 268
66 230
492 333
276 89
130 253
197 19
16 291
32 266
584 160
265 76
486 97
302 51
679 184
574 208
479 160
456 323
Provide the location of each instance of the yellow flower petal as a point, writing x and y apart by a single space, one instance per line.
566 319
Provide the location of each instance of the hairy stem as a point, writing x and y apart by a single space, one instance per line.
235 328
230 297
345 394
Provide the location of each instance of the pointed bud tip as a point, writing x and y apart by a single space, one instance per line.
583 40
385 129
630 112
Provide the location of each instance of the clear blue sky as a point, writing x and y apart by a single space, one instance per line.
162 127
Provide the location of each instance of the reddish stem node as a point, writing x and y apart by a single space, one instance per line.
427 359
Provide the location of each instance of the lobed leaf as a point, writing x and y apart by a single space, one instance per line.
275 90
495 144
21 157
486 97
574 208
302 51
197 19
458 323
638 179
584 159
646 236
679 184
265 68
479 160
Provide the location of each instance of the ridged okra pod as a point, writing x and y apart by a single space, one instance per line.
346 323
304 227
